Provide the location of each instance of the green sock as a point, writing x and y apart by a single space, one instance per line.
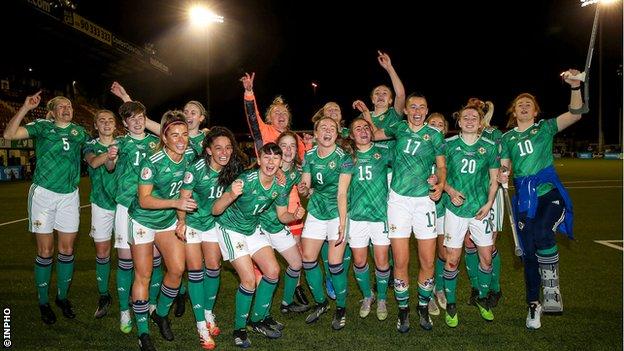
485 277
165 300
156 280
382 283
64 274
183 285
102 274
291 278
496 270
472 266
424 292
439 274
401 293
243 304
141 308
125 275
196 293
264 295
362 277
315 280
43 272
212 280
325 257
339 279
450 284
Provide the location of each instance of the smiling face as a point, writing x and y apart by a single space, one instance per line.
194 116
525 110
220 152
416 111
326 132
63 111
437 122
279 117
135 124
361 133
332 110
381 97
469 121
176 138
269 163
105 124
288 144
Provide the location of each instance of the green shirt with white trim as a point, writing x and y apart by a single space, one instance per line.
368 190
204 182
131 151
102 181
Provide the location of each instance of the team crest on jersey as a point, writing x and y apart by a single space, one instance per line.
534 130
293 176
520 225
274 194
382 117
332 165
146 173
482 150
188 177
152 145
74 132
376 155
426 137
393 228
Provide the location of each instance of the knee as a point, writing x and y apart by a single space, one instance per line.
176 270
452 263
142 275
296 265
359 261
45 251
248 282
272 272
102 251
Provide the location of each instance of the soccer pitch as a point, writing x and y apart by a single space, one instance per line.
591 281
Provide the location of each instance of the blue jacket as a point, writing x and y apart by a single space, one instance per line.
525 199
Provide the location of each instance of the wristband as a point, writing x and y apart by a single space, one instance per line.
575 88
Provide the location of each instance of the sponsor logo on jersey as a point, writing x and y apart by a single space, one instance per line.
74 132
332 165
178 173
146 173
426 137
188 177
482 150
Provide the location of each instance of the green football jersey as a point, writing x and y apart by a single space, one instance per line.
197 143
414 153
131 152
468 168
325 172
384 121
368 191
344 132
166 177
243 215
268 219
494 134
530 151
203 181
102 181
58 152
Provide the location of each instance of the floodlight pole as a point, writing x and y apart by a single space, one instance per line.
207 63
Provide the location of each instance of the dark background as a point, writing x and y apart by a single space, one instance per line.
449 51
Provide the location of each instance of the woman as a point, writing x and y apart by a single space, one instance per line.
321 170
53 202
411 206
438 121
205 180
472 166
102 204
367 205
278 120
542 203
243 244
331 110
388 108
153 223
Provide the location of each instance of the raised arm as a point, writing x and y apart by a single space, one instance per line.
576 101
378 133
397 85
119 91
13 130
253 117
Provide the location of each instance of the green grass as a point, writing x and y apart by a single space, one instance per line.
591 279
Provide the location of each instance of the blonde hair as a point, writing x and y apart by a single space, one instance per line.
278 101
440 116
513 120
321 113
51 105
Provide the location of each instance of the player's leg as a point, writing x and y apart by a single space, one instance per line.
438 289
284 243
158 273
455 228
312 240
359 238
102 222
338 272
142 258
43 274
66 222
260 320
329 286
125 268
300 294
423 225
212 279
531 270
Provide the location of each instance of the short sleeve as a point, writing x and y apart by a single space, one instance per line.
505 153
282 197
346 164
392 130
34 128
190 177
148 172
551 126
439 144
305 165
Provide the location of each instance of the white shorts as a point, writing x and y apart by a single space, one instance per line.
320 229
408 214
440 225
121 227
48 211
102 222
456 228
140 234
282 240
498 211
234 245
196 236
363 232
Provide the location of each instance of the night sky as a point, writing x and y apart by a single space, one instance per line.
449 51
